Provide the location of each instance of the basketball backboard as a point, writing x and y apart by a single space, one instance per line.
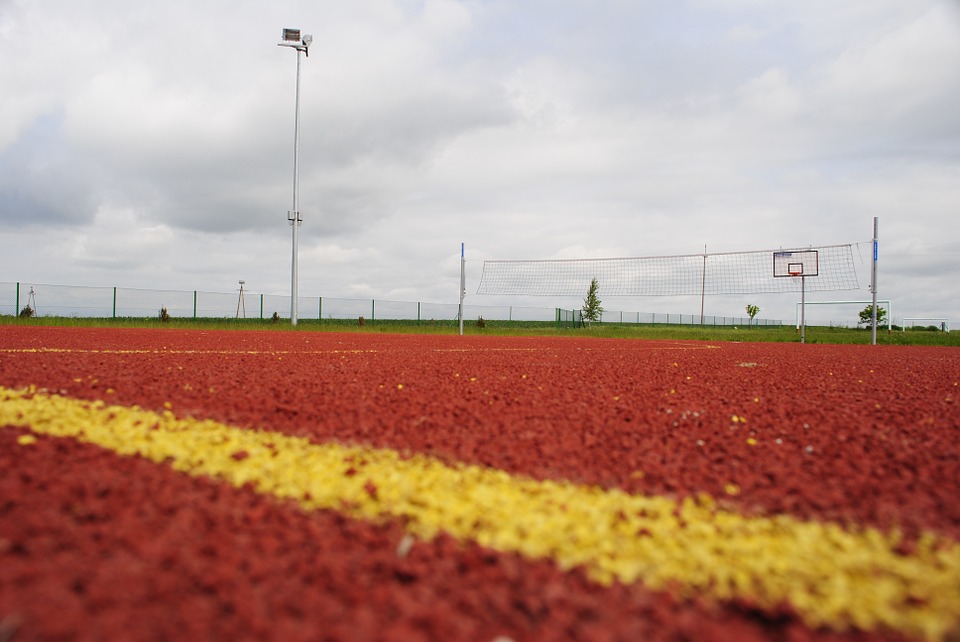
796 263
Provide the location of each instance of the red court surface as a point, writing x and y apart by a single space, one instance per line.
769 442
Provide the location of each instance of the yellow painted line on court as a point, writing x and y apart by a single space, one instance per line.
832 577
166 351
173 351
474 349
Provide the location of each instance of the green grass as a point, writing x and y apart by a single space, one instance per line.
782 334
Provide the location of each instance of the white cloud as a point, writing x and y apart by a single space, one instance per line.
902 76
154 143
772 97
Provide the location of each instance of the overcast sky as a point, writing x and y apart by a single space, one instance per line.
150 145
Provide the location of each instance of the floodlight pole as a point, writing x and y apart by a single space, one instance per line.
294 216
293 40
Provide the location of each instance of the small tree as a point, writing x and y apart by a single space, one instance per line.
591 305
866 315
752 310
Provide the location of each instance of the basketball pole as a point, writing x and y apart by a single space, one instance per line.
803 308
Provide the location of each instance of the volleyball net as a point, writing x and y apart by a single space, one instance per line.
718 273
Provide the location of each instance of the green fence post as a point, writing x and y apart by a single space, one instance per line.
114 302
261 307
16 307
194 304
418 313
373 310
320 309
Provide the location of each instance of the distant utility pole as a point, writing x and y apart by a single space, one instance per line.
241 303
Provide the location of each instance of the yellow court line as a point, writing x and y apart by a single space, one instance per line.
237 352
832 577
472 349
639 347
168 351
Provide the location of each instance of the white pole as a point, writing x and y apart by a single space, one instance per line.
463 284
803 305
873 286
295 214
703 283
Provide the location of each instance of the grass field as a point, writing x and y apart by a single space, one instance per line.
776 334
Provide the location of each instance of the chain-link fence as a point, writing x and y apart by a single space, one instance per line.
116 302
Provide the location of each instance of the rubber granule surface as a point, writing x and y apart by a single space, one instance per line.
262 485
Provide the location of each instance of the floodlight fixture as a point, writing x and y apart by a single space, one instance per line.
293 39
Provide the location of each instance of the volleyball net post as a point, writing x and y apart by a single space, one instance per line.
463 284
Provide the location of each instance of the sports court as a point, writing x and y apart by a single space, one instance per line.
295 485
